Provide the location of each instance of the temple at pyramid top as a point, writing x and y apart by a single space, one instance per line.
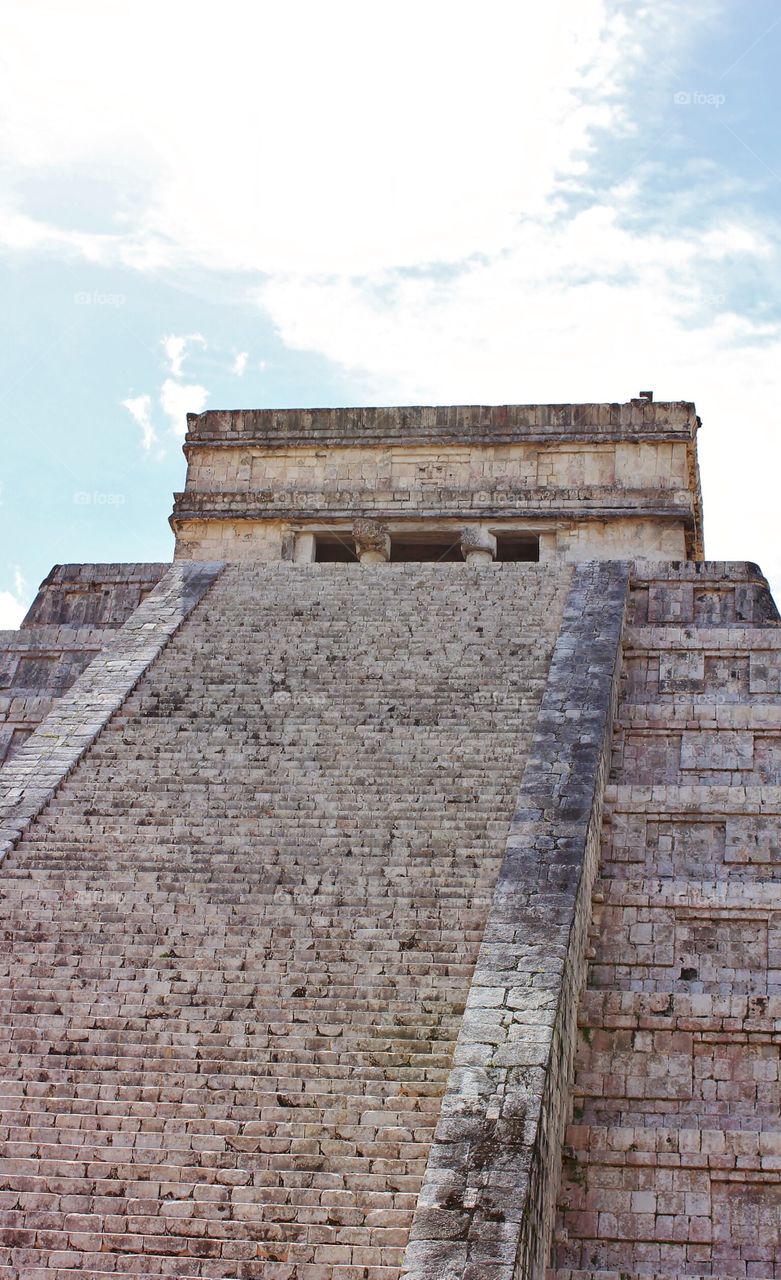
417 921
510 482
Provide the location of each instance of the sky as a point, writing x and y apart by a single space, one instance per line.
259 205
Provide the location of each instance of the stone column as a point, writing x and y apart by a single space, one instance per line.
304 548
372 541
478 546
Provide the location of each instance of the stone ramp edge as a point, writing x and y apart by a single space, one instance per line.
488 1199
30 779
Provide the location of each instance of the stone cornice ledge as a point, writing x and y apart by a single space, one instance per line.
30 779
487 1203
457 424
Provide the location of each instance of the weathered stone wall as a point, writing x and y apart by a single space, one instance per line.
238 541
265 540
621 539
595 481
92 595
673 1155
440 476
71 620
70 728
491 424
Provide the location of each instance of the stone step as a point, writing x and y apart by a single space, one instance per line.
221 1260
73 1263
244 927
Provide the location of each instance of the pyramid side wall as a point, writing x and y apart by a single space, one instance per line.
672 1156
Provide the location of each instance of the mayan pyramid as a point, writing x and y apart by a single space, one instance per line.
391 883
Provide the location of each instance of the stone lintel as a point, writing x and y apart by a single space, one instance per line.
489 1193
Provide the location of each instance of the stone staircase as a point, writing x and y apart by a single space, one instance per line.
239 939
673 1160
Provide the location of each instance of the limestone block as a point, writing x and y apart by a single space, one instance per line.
677 1090
304 549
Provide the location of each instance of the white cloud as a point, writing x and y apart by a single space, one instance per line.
178 399
400 177
565 310
11 611
239 365
175 347
140 410
429 152
14 603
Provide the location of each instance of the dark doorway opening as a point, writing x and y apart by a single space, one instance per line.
334 548
517 546
417 547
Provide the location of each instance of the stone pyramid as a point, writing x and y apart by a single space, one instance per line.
391 883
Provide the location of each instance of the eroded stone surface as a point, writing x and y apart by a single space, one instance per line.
673 1155
31 778
372 541
260 859
486 1205
71 620
246 924
609 481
